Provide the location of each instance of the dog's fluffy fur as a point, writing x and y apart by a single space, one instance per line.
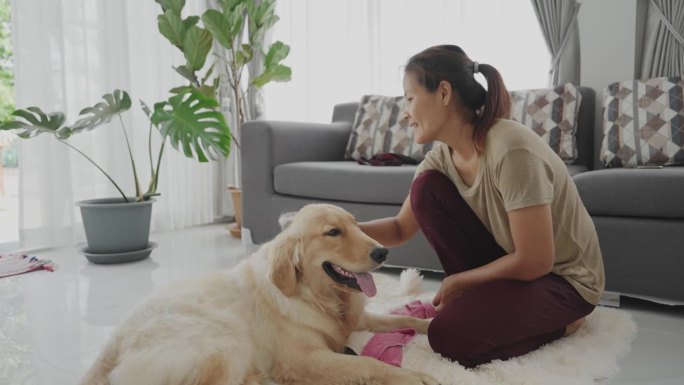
280 315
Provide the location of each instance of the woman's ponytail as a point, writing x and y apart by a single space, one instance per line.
497 103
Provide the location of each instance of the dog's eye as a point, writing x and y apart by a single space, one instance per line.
333 232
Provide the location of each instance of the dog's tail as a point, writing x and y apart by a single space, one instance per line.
98 374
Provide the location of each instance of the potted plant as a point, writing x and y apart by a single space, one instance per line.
236 29
117 229
190 119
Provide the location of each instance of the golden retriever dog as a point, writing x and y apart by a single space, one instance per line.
283 314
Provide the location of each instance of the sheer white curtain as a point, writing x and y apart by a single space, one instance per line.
341 49
68 54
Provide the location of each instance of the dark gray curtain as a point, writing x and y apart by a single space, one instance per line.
558 22
663 50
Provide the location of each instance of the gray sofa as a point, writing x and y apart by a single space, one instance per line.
289 164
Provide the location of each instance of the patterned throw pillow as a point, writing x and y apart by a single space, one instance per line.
379 128
643 123
552 113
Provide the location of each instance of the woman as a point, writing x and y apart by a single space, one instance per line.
519 249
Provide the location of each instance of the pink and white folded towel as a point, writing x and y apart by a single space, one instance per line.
387 347
16 263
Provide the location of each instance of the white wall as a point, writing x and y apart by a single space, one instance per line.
610 38
607 38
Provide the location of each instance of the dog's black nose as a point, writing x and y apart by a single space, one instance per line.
379 254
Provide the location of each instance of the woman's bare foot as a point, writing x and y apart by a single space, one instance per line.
574 326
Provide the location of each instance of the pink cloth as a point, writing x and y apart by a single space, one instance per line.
386 347
416 309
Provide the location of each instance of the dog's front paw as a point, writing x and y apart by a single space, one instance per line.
416 378
421 325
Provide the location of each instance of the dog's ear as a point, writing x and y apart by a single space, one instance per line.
285 262
286 219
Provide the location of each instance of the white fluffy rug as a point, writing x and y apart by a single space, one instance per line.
587 357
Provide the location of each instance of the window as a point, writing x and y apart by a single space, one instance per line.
9 172
341 50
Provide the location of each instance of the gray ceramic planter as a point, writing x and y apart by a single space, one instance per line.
114 227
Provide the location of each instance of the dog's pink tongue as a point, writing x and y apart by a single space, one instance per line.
366 283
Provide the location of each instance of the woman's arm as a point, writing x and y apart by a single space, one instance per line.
532 232
393 231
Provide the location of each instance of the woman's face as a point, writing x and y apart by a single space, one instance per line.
424 110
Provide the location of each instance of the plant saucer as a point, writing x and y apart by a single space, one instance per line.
129 256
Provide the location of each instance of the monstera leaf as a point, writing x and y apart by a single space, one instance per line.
33 121
115 103
190 121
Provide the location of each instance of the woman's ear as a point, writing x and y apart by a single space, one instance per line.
284 264
445 92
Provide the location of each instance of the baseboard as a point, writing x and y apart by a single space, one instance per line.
610 299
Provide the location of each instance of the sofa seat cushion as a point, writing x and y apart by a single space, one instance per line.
647 193
344 181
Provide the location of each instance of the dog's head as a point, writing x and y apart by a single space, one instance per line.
323 247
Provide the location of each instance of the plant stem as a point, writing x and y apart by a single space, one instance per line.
149 150
153 187
138 194
98 167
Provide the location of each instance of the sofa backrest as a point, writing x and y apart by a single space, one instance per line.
345 112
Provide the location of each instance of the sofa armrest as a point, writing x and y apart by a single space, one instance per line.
267 144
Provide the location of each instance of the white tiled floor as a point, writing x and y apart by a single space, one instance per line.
53 324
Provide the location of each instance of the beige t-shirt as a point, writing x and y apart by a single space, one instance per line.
520 170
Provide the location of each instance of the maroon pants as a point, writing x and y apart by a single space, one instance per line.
495 320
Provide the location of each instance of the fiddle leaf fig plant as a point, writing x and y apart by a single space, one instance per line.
238 29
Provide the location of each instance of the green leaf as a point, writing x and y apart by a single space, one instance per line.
191 21
247 52
239 59
186 73
174 5
115 103
172 27
208 74
243 55
181 89
264 14
33 121
146 109
191 121
217 23
277 52
236 19
279 73
196 47
229 5
207 91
